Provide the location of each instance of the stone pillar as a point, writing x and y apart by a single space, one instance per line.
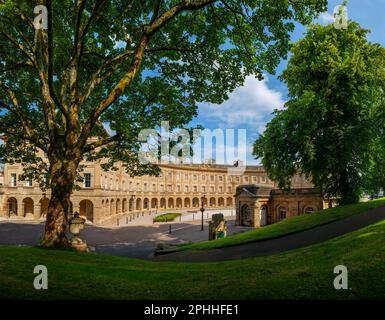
20 208
37 211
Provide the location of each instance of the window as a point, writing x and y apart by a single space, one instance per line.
145 187
212 178
137 187
13 180
186 188
229 189
162 188
153 187
186 176
170 175
254 179
87 180
204 177
117 185
124 185
178 188
130 186
309 210
28 182
203 189
263 179
195 177
106 183
282 213
246 179
111 184
169 188
195 188
220 178
238 179
212 189
178 176
220 189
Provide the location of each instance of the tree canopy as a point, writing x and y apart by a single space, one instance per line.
327 129
127 63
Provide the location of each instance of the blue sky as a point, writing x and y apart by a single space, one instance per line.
250 107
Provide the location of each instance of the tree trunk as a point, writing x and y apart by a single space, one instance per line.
63 174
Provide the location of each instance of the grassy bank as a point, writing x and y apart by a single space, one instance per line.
305 273
291 225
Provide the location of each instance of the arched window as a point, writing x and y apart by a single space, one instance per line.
309 210
282 213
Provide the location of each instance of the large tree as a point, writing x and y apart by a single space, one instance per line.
127 63
336 82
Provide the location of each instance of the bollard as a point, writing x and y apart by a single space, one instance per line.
169 228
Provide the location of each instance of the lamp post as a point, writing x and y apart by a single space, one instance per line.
202 209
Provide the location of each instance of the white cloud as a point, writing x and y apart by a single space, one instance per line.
249 105
326 18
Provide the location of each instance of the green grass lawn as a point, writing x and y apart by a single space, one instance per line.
167 217
291 225
305 273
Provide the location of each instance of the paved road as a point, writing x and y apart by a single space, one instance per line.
269 247
128 241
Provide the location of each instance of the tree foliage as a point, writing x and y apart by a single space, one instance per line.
328 128
128 63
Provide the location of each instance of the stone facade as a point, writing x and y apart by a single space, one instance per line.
257 206
107 195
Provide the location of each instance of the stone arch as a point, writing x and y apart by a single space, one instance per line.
146 204
138 204
170 203
118 206
282 213
195 202
263 215
163 203
187 203
221 202
179 203
229 202
87 209
131 204
112 207
213 202
28 207
307 209
246 218
44 202
12 207
124 205
154 203
107 206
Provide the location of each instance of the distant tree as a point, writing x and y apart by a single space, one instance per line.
336 82
128 63
374 177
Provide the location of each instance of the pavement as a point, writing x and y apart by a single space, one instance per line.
140 241
128 241
268 247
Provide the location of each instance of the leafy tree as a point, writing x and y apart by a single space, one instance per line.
128 63
374 177
336 82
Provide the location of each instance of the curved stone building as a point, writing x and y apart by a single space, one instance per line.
104 196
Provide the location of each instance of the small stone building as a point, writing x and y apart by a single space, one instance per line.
258 206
